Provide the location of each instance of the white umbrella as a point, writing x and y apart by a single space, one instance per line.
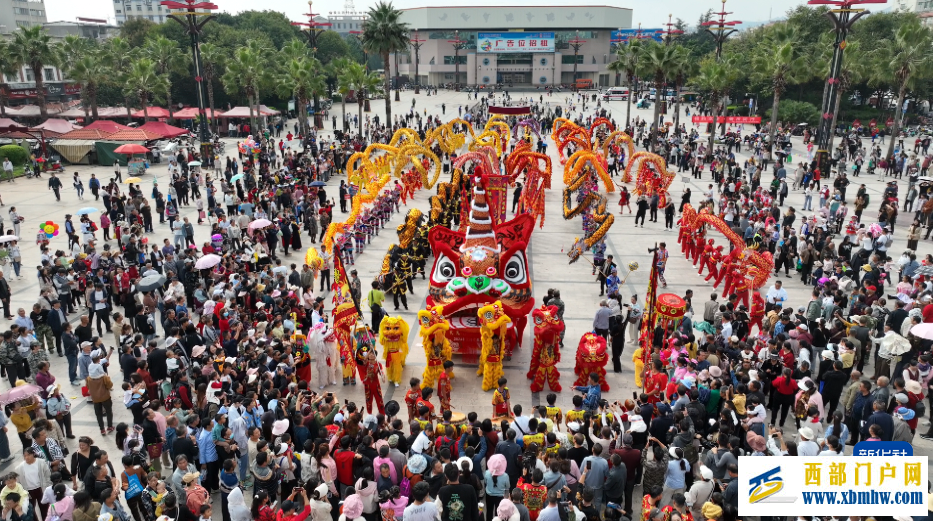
259 224
922 331
194 163
895 344
8 238
208 261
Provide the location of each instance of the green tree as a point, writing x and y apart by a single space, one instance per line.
684 66
274 24
383 34
167 58
72 48
89 71
137 30
337 69
658 62
295 49
717 78
798 112
903 62
302 80
630 58
362 82
854 69
212 59
33 47
778 61
330 46
118 56
9 65
144 81
247 72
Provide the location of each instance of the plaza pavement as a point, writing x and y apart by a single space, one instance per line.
549 268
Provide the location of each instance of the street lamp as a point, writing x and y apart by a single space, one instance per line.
842 19
188 17
576 43
416 45
458 44
721 29
311 28
670 33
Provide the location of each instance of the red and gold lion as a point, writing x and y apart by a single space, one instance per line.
434 328
591 358
546 354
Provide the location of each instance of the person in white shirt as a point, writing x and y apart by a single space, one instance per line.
776 295
422 443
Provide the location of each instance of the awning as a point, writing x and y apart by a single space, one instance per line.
31 111
163 129
134 134
73 150
510 111
153 112
107 126
55 127
192 112
243 112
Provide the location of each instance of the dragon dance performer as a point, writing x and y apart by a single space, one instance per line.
437 349
302 357
758 311
393 335
546 353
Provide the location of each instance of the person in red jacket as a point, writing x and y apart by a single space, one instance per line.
785 388
758 311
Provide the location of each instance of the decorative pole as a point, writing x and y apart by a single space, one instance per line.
576 43
311 28
842 19
187 15
458 44
670 33
721 29
416 44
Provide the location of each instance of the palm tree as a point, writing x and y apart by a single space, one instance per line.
779 62
33 47
167 57
361 81
301 79
246 72
9 65
89 70
854 70
717 78
903 62
72 48
144 81
658 63
630 58
383 34
212 58
118 56
684 68
337 68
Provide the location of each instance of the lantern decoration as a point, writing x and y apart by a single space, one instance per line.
50 229
632 266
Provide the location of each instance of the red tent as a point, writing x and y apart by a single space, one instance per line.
8 125
154 112
56 127
192 112
164 129
107 126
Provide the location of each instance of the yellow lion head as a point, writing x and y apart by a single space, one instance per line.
493 316
393 330
432 320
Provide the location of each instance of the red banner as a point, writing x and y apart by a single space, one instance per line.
510 111
736 120
856 123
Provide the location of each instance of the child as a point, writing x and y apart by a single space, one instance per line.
412 397
443 385
501 405
130 397
553 411
392 504
158 497
205 513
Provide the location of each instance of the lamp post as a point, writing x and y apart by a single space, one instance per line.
416 44
669 34
188 16
576 43
311 28
843 15
458 44
721 29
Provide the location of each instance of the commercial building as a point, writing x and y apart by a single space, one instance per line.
152 10
21 13
92 29
521 46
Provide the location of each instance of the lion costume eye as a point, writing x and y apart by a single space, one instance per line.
514 271
444 270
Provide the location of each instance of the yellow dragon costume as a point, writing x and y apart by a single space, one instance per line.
437 349
393 335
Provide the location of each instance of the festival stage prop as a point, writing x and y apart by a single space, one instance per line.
651 175
546 353
591 358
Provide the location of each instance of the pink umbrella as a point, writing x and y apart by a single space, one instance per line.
259 224
22 392
922 331
208 261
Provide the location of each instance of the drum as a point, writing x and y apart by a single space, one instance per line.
497 421
458 419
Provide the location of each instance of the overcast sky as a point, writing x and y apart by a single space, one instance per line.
689 10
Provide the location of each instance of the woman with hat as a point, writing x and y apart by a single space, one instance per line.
195 494
496 483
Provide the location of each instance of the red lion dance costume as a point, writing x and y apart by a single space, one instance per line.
546 354
591 358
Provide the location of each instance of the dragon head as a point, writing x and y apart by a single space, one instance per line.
432 320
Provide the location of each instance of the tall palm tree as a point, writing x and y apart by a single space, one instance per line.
247 71
684 67
630 56
118 56
337 68
33 47
717 78
9 65
362 82
658 63
167 57
384 34
89 71
779 62
854 70
72 48
301 79
903 62
212 59
144 81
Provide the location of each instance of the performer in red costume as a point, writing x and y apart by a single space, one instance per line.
704 256
740 282
713 262
699 241
591 358
372 384
546 354
758 311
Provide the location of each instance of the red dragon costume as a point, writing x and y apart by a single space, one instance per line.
591 358
546 354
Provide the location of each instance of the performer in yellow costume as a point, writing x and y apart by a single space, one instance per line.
638 358
437 350
393 335
493 326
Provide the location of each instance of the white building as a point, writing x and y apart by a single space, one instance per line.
21 13
152 10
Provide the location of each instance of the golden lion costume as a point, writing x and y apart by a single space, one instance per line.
493 326
393 335
434 327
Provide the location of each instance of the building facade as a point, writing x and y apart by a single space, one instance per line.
521 46
152 10
21 13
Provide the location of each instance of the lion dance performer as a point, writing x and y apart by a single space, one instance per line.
437 349
372 382
591 358
546 354
493 325
393 335
323 343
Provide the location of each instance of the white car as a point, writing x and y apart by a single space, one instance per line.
616 93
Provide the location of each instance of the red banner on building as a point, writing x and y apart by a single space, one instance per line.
510 111
735 120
